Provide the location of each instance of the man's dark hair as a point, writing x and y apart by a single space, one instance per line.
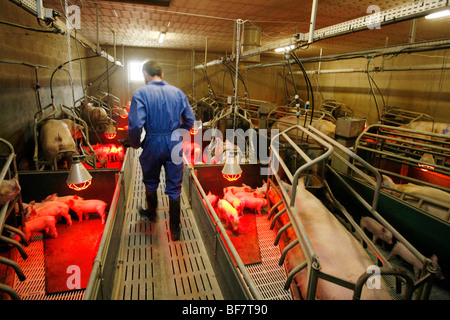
152 68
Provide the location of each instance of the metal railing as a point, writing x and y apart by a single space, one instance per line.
312 261
101 279
221 231
9 171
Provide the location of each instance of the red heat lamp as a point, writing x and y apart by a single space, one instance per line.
79 178
427 162
110 131
123 113
197 126
231 171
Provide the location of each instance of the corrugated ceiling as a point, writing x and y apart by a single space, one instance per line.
189 24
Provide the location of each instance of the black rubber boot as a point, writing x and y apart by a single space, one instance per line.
152 203
174 219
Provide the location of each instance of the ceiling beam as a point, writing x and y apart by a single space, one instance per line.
404 12
160 3
31 7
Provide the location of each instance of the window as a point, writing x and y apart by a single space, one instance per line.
135 71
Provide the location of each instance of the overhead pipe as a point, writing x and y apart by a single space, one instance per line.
390 16
312 24
364 70
406 48
31 7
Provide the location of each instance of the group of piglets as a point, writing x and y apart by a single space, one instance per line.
44 215
380 232
235 199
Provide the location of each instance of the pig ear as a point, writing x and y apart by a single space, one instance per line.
434 258
52 197
32 203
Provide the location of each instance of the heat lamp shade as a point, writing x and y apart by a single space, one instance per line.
428 159
231 169
110 131
123 113
78 174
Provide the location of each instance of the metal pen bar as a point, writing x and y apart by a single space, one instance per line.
409 141
378 217
250 283
372 208
96 277
312 260
361 161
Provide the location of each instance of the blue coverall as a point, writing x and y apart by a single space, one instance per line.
160 108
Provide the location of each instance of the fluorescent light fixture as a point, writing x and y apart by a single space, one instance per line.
438 14
283 49
162 35
135 71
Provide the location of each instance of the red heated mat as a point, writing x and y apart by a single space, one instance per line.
246 239
69 257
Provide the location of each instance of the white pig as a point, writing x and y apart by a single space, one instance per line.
235 189
55 209
45 223
235 202
259 192
429 126
58 135
339 253
83 207
400 250
377 229
9 189
326 127
212 198
94 116
256 204
228 213
252 200
64 199
427 193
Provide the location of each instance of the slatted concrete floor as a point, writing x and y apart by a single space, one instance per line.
153 266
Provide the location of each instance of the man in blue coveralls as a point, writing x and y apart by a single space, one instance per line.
160 109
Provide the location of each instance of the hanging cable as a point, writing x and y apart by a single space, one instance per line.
210 88
371 89
238 45
55 31
309 89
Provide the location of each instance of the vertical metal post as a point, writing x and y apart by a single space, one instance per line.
193 74
124 98
412 31
114 45
312 24
96 21
206 50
